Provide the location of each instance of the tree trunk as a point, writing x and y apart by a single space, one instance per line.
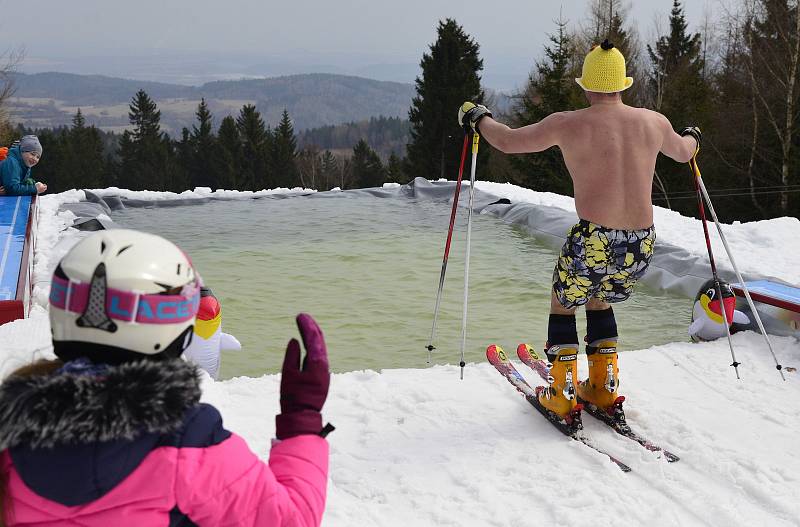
754 104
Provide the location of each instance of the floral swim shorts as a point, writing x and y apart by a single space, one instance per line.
598 262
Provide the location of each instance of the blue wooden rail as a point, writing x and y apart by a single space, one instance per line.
17 236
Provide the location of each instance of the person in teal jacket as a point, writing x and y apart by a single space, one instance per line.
15 170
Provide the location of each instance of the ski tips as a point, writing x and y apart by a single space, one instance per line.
494 353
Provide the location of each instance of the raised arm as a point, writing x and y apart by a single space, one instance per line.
224 483
532 138
681 147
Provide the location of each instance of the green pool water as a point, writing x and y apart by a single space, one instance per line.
367 269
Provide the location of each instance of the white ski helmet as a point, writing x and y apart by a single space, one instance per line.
120 293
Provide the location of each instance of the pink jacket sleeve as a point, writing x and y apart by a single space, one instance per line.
226 484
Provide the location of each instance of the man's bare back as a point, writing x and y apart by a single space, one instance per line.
610 150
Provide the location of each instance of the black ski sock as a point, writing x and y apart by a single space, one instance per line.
561 329
600 325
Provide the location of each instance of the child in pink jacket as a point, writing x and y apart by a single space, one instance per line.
113 432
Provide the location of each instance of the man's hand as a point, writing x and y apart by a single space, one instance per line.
2 190
41 188
694 131
469 114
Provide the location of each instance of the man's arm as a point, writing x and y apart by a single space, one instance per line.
680 148
531 138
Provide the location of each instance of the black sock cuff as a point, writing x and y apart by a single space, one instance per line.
601 325
562 329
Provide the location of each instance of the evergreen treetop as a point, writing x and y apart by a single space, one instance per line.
145 117
450 76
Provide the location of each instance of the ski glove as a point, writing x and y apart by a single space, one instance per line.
303 391
694 131
470 113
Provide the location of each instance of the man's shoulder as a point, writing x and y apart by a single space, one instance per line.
561 115
647 112
565 116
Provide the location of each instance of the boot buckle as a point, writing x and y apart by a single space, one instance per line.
611 380
569 387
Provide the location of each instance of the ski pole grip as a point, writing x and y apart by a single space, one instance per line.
694 166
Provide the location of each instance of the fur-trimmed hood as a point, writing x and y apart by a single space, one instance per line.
120 403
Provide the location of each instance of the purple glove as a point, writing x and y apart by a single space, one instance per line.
303 392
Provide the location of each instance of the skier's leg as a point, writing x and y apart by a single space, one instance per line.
570 290
562 353
601 388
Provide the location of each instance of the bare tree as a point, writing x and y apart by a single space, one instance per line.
655 97
309 166
8 66
774 46
754 106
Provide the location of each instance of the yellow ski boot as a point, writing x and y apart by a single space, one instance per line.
599 393
559 396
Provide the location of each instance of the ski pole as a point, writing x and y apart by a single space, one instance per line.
475 140
717 286
701 190
430 347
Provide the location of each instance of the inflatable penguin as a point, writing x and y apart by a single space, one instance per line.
707 322
208 339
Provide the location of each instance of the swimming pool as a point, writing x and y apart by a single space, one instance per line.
368 269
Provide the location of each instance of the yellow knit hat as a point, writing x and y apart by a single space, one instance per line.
604 70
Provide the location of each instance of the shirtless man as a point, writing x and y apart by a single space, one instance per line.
610 150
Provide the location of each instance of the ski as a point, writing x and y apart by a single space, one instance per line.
499 360
529 356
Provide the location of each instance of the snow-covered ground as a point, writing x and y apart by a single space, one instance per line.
421 447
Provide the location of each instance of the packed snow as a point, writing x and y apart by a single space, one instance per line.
421 447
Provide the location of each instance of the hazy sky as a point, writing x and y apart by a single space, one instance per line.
238 37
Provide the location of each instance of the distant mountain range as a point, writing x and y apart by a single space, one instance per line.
49 100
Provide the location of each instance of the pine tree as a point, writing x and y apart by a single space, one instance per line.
253 136
147 161
367 170
84 160
679 91
175 177
450 76
395 170
227 161
145 117
551 88
184 157
284 153
202 169
677 87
